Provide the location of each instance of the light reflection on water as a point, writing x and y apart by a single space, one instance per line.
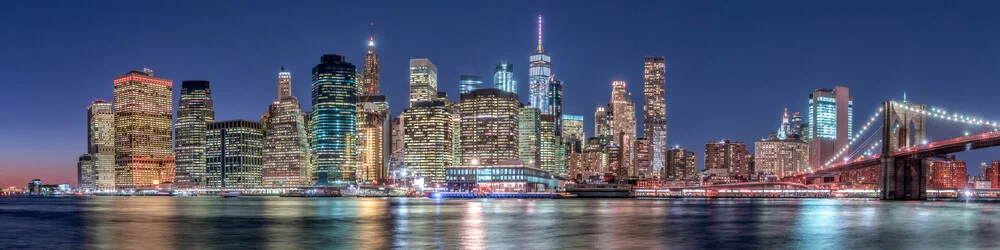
380 223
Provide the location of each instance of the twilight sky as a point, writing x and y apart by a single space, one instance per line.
732 65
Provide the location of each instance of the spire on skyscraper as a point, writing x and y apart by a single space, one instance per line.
539 32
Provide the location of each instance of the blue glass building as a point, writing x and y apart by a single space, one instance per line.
468 83
503 78
334 111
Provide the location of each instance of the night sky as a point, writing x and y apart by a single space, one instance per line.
732 66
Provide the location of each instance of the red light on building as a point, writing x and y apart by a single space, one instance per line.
947 174
993 175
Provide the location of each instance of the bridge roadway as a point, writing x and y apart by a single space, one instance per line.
949 146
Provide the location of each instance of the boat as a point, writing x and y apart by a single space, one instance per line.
231 194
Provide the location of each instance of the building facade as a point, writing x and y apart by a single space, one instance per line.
468 83
728 157
427 140
334 114
101 145
621 121
947 174
423 81
489 127
371 71
194 112
539 71
643 167
830 119
373 139
143 116
780 157
235 154
286 140
503 77
529 143
555 91
510 176
572 128
654 109
681 164
601 126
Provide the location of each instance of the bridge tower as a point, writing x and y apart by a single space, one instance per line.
903 178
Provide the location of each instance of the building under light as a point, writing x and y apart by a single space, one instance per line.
528 143
947 174
621 121
503 78
334 114
643 167
780 157
728 157
539 71
489 127
143 108
830 117
286 139
427 140
370 85
373 136
194 113
572 128
654 110
508 176
681 164
234 154
468 83
423 81
100 164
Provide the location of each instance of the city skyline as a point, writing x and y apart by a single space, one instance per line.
231 96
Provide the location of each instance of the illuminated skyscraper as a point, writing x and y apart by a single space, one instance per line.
621 120
334 114
830 115
503 78
370 86
234 154
489 127
643 158
538 75
528 143
373 138
654 109
549 145
780 157
572 128
85 173
681 164
427 140
286 139
194 112
468 83
601 126
143 114
423 81
101 145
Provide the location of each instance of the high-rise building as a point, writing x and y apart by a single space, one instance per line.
286 139
947 174
427 140
397 140
235 154
572 128
797 126
728 157
830 115
373 138
643 166
780 157
194 113
86 173
489 127
621 121
456 133
101 145
601 126
528 143
550 146
594 157
681 164
468 83
334 114
993 175
143 109
538 75
423 81
503 78
370 85
555 91
654 109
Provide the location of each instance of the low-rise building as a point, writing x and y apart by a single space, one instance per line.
509 176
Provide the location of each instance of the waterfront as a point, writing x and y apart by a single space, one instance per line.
379 223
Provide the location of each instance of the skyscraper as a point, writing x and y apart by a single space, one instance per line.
555 91
549 144
286 139
572 128
681 164
423 81
334 114
780 157
468 83
727 157
86 173
427 140
621 119
643 158
373 138
370 86
601 126
234 154
194 113
489 127
503 78
654 110
538 75
830 115
101 145
143 109
528 143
